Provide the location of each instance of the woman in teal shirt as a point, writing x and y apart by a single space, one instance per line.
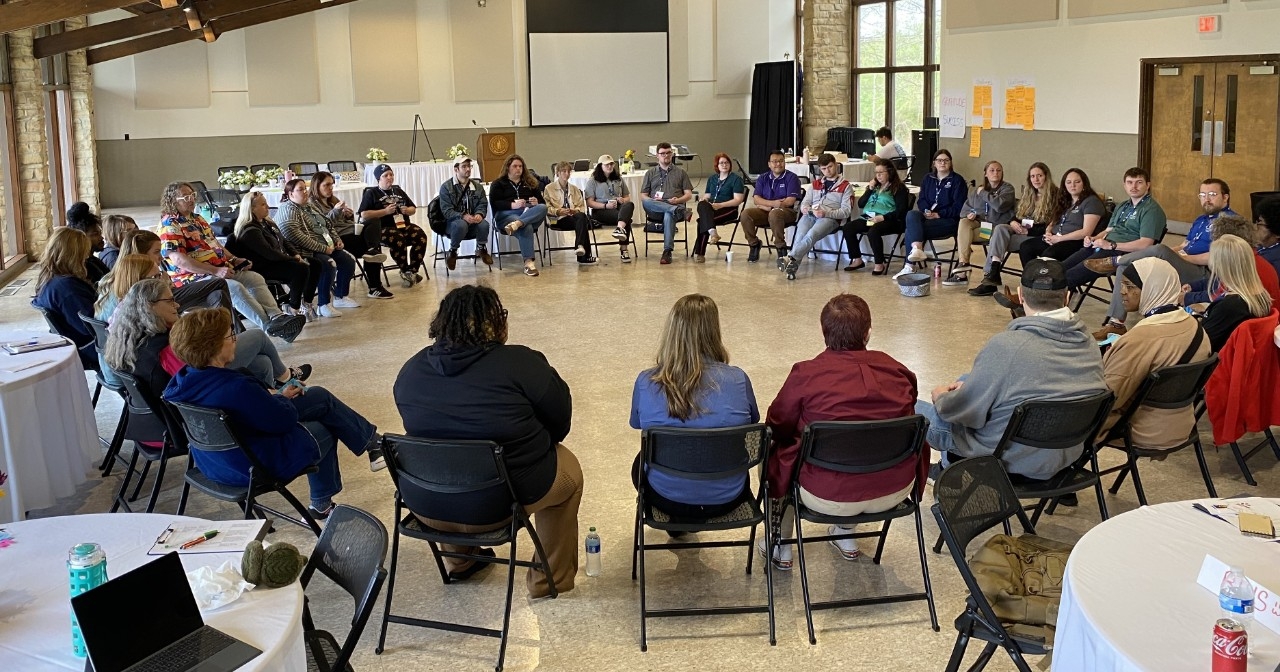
725 192
884 211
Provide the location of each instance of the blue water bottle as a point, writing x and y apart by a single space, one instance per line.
87 565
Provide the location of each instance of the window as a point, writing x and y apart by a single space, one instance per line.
58 131
895 65
11 241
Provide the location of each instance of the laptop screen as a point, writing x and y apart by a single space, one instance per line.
136 614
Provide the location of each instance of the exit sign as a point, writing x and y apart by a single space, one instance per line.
1207 24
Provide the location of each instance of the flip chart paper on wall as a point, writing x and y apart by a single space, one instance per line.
975 142
954 113
1020 103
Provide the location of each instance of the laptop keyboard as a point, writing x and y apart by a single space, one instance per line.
187 652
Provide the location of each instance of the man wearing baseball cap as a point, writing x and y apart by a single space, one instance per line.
464 206
1046 356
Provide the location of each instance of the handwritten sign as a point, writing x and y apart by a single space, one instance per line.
975 142
982 110
954 114
1266 602
1020 103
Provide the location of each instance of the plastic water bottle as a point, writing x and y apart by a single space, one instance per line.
87 565
593 553
1235 597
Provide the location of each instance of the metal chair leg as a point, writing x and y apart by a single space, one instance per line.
511 584
391 585
804 577
1244 466
117 441
924 571
1204 469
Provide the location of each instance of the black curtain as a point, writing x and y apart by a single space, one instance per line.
773 112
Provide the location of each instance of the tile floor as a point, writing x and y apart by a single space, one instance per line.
598 326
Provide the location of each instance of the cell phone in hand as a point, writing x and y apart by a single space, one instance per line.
243 264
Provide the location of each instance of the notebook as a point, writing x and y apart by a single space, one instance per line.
1256 525
34 343
147 620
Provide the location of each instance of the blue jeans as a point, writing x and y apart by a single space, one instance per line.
533 217
256 353
458 231
340 264
668 220
810 230
920 229
329 421
939 434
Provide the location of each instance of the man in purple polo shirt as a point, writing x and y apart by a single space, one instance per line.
776 194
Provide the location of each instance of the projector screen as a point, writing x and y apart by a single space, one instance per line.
597 78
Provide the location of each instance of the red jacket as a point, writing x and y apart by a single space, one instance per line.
1242 395
839 385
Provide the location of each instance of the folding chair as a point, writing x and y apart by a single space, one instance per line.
840 244
145 424
703 455
1170 387
653 226
304 169
971 497
735 220
623 244
263 166
430 477
1060 425
112 383
350 552
209 430
863 447
341 166
88 352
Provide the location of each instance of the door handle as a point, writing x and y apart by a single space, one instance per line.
1219 138
1206 138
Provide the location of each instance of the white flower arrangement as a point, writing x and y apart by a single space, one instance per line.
238 179
458 150
377 154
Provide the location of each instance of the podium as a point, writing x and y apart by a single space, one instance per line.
494 148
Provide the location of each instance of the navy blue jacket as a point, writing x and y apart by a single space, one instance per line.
949 194
64 297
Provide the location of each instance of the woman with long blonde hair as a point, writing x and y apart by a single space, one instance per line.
259 240
128 271
692 385
63 291
1240 293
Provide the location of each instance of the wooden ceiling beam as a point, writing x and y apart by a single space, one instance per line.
19 14
237 21
143 24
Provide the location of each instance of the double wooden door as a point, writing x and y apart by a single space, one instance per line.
1214 118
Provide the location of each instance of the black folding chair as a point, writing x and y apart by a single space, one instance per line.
863 447
209 430
112 383
146 425
1060 425
430 476
350 552
735 220
971 497
703 455
341 166
263 166
1170 387
88 352
304 169
653 229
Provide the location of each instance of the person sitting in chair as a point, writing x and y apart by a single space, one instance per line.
829 201
725 192
773 203
937 210
665 191
518 210
63 290
567 207
471 384
610 202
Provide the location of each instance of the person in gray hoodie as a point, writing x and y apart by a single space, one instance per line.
828 203
1047 355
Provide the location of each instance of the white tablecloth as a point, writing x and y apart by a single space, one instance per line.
48 435
347 191
421 180
35 610
1130 600
854 170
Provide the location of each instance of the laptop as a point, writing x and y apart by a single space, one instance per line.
147 620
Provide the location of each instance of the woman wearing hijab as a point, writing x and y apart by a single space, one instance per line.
1166 335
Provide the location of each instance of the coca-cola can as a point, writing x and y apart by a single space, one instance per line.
1230 646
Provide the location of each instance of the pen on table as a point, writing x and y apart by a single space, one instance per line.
1200 507
200 539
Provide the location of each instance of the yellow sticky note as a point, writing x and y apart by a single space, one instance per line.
986 117
975 142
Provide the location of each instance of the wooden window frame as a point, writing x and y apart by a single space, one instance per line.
889 69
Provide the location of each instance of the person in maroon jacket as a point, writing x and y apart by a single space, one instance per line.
844 382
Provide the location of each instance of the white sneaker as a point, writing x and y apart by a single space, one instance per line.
917 254
781 555
905 270
375 258
848 547
580 251
289 310
345 302
327 310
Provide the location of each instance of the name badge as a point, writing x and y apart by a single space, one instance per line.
657 195
399 220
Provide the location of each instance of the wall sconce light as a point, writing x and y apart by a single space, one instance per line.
482 3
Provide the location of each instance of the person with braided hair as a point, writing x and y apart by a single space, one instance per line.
472 384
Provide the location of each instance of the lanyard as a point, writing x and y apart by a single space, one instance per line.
719 185
1133 209
1205 231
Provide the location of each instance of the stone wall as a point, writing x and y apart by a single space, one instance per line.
30 103
827 53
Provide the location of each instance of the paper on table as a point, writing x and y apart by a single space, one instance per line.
1230 510
216 588
232 537
1266 602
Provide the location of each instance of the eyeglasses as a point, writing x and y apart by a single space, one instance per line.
230 337
186 197
1209 194
942 159
170 299
665 153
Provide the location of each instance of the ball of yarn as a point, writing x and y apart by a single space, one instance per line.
281 564
251 562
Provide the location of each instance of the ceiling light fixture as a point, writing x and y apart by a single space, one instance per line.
188 5
482 3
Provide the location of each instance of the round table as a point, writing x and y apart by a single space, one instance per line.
35 610
48 434
1130 600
